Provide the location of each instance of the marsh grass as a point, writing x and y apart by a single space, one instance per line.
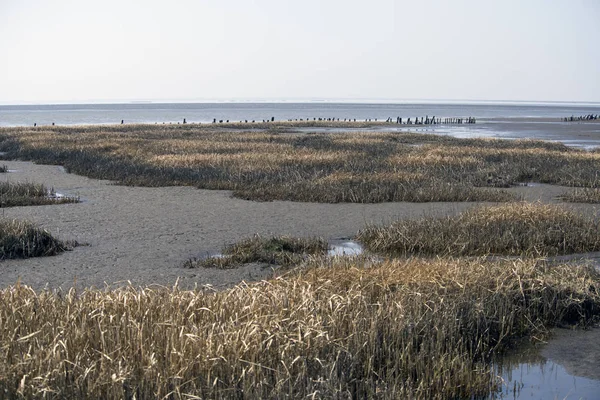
29 194
282 251
21 239
398 329
516 229
274 164
583 195
3 169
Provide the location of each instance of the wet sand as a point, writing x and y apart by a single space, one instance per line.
578 351
144 235
580 134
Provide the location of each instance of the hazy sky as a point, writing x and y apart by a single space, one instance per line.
124 50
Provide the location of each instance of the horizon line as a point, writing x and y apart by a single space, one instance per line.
301 101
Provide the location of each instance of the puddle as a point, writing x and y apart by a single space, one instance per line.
337 248
561 369
344 248
546 380
527 184
61 196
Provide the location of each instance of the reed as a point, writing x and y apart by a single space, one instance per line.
21 239
338 329
517 229
29 194
583 195
278 163
283 251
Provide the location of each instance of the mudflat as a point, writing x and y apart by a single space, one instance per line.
143 235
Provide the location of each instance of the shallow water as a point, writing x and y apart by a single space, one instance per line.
337 247
564 368
344 248
579 135
73 114
546 380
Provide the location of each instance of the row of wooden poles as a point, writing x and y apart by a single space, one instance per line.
588 117
399 120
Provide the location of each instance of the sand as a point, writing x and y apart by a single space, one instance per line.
144 235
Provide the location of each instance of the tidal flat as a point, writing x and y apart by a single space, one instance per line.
153 198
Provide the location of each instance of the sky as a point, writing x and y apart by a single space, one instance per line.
74 51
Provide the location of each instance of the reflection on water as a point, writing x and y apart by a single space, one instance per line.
586 134
344 248
529 375
546 380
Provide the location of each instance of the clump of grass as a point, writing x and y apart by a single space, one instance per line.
3 169
269 163
277 250
29 194
583 195
399 329
514 229
20 239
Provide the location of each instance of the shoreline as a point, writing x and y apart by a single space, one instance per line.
577 134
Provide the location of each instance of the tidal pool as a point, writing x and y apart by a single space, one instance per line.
567 367
344 248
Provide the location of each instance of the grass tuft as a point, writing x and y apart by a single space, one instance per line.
29 194
20 239
583 195
515 229
278 250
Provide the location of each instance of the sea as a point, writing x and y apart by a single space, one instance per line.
508 120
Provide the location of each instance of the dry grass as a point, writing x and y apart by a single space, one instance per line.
277 164
20 239
398 329
510 229
282 251
29 194
583 195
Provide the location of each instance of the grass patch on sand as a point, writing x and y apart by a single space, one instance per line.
277 250
29 194
415 328
277 164
583 195
21 239
515 229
